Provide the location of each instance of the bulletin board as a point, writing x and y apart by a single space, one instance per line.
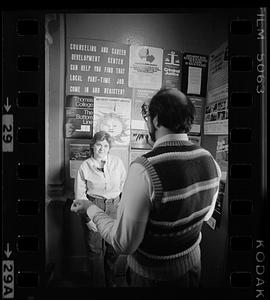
216 121
106 85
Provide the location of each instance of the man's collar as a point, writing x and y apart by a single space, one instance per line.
171 137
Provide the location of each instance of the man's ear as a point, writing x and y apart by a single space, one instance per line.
155 122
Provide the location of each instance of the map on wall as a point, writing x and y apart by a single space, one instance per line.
113 116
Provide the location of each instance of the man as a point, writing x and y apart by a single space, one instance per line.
167 195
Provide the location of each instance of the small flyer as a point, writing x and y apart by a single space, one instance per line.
172 60
78 122
145 67
222 155
218 67
140 139
194 74
77 154
199 104
216 111
140 96
79 116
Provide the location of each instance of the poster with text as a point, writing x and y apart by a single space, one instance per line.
199 104
172 60
77 154
145 67
79 116
222 155
218 67
194 74
216 111
140 139
98 68
140 96
113 116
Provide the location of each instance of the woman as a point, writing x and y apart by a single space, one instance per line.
100 179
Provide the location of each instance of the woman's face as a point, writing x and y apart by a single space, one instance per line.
101 149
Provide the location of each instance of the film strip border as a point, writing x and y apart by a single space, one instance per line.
23 154
23 147
247 153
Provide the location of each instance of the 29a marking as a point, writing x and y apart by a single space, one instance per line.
8 279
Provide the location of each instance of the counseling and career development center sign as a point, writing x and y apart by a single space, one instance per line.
97 68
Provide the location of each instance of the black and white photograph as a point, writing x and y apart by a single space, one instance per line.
108 233
134 153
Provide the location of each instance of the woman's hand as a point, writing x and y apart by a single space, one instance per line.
80 206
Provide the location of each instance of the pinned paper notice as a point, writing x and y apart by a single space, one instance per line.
194 80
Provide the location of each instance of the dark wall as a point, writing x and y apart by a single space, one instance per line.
198 33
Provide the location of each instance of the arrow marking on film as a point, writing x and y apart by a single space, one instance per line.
7 252
7 106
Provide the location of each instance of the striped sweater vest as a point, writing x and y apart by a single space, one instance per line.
185 179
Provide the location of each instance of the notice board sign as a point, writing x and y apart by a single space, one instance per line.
194 76
218 67
145 67
172 60
97 68
199 104
79 114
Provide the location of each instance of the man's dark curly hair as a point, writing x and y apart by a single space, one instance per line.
174 110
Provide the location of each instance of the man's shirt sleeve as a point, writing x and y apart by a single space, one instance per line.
127 231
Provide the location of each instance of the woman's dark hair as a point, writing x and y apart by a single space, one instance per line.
100 136
174 110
